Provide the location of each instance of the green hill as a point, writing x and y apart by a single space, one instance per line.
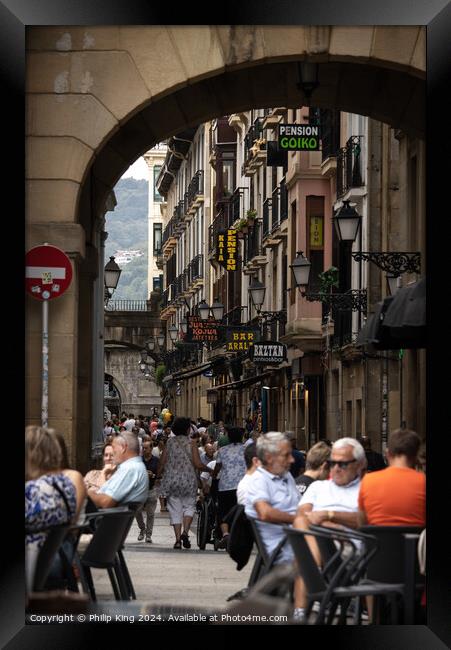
126 226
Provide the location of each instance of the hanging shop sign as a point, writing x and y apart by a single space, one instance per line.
269 352
226 249
240 339
201 331
298 137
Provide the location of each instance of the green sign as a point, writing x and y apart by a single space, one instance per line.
298 137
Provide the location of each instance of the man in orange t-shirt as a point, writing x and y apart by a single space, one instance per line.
395 496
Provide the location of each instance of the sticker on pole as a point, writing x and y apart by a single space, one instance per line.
48 272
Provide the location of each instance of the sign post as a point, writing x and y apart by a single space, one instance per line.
48 274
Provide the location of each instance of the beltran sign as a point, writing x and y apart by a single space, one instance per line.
299 137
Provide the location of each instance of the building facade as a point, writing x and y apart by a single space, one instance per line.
228 174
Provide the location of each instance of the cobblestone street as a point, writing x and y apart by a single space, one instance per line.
165 576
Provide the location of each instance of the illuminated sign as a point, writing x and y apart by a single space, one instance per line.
298 137
201 330
240 339
227 249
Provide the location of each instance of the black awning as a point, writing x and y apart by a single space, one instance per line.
398 322
242 383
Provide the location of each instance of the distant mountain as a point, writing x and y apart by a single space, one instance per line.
126 226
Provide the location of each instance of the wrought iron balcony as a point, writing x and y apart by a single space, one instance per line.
196 187
253 242
267 215
196 269
222 221
127 305
349 166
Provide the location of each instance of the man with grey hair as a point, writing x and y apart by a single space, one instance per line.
333 502
130 482
272 496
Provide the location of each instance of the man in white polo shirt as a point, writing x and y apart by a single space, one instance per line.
271 495
130 482
334 500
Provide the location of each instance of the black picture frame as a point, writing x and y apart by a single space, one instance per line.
436 15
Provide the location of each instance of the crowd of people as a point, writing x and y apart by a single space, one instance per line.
174 461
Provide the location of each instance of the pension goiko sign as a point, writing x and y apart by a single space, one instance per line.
269 352
226 249
298 137
201 330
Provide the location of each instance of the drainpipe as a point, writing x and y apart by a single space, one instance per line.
384 422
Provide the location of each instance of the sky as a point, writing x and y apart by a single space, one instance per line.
138 170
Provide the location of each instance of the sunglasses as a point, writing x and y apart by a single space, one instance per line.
342 464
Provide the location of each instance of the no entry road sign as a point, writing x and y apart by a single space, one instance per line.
48 272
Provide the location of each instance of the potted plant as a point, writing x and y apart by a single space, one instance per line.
242 226
251 215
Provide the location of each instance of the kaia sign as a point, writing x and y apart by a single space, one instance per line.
269 352
226 249
298 137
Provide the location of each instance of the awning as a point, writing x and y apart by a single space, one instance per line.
242 383
193 372
399 321
186 374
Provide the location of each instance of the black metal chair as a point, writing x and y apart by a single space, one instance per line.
264 561
329 593
102 552
397 561
133 506
55 537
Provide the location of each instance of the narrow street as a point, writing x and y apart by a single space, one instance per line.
187 577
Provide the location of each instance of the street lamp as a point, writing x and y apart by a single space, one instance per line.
203 309
217 309
347 222
257 293
112 273
353 300
173 333
308 78
150 344
184 326
301 271
161 339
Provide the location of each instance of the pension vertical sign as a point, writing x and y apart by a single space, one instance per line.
298 137
226 249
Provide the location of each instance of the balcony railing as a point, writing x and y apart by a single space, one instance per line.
164 299
283 212
253 242
349 166
127 305
255 133
196 187
174 225
267 215
196 268
222 221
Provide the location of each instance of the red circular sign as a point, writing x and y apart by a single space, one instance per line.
48 272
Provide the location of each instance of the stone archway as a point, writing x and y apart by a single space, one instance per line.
99 97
